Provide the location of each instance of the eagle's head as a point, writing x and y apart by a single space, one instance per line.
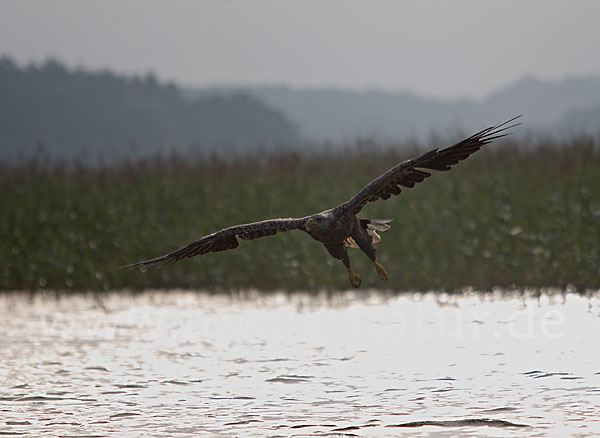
319 221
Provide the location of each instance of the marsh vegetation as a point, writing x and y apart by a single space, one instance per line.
510 216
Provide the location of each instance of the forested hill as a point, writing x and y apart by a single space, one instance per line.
70 112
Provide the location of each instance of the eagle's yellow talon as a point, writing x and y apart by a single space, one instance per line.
381 271
354 278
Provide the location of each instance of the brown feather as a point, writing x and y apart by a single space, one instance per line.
409 173
226 239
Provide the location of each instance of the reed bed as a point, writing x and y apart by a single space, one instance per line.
512 216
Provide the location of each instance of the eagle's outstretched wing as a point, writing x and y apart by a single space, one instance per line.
227 239
408 173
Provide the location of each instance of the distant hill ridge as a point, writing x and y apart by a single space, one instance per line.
70 111
564 107
101 113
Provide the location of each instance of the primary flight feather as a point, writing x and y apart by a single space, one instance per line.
339 228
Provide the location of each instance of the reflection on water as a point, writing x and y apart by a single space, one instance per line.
184 364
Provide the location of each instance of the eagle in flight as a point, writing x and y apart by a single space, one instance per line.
339 227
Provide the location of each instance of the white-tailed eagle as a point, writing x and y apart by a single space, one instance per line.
339 227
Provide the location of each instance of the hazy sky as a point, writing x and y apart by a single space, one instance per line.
438 48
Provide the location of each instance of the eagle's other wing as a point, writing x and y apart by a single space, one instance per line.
408 173
227 239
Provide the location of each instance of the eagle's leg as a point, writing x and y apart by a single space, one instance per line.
381 271
365 243
354 278
338 250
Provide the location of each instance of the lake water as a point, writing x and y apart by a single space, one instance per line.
355 364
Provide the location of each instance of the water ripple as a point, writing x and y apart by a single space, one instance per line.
467 422
187 365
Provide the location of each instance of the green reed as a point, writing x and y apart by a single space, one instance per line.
510 216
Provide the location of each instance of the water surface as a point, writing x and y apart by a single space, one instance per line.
357 364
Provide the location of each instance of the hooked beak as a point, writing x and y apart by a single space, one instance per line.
310 224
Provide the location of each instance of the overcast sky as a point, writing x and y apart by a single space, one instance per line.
448 49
